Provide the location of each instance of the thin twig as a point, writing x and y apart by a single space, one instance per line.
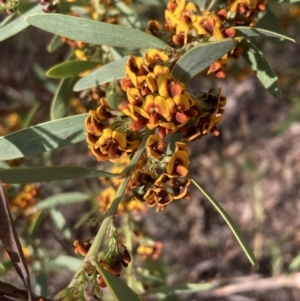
94 249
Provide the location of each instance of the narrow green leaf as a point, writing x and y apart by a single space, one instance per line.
60 222
118 287
150 2
291 117
63 261
111 95
294 264
55 43
179 289
47 174
176 137
129 14
43 137
30 115
288 1
62 199
65 6
251 31
41 283
18 24
61 99
4 165
48 83
267 20
7 19
261 68
95 32
238 235
25 6
201 4
35 223
199 58
70 69
111 71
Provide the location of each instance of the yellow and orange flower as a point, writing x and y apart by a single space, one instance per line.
179 162
155 147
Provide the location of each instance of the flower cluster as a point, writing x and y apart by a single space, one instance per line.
26 198
113 261
157 102
187 25
151 249
104 139
161 176
243 12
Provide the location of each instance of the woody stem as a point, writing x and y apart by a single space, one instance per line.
94 249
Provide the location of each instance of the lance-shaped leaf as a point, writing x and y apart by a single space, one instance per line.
70 69
289 1
180 289
261 68
201 4
47 174
251 31
60 223
95 32
150 2
63 261
62 199
117 286
18 24
199 58
61 99
11 243
238 235
54 43
42 137
267 20
111 71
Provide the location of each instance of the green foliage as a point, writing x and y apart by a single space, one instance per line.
70 69
94 32
109 72
268 21
42 137
53 173
238 235
62 199
199 58
17 25
60 101
118 288
261 67
249 31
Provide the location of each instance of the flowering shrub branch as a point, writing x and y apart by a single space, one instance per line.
135 111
